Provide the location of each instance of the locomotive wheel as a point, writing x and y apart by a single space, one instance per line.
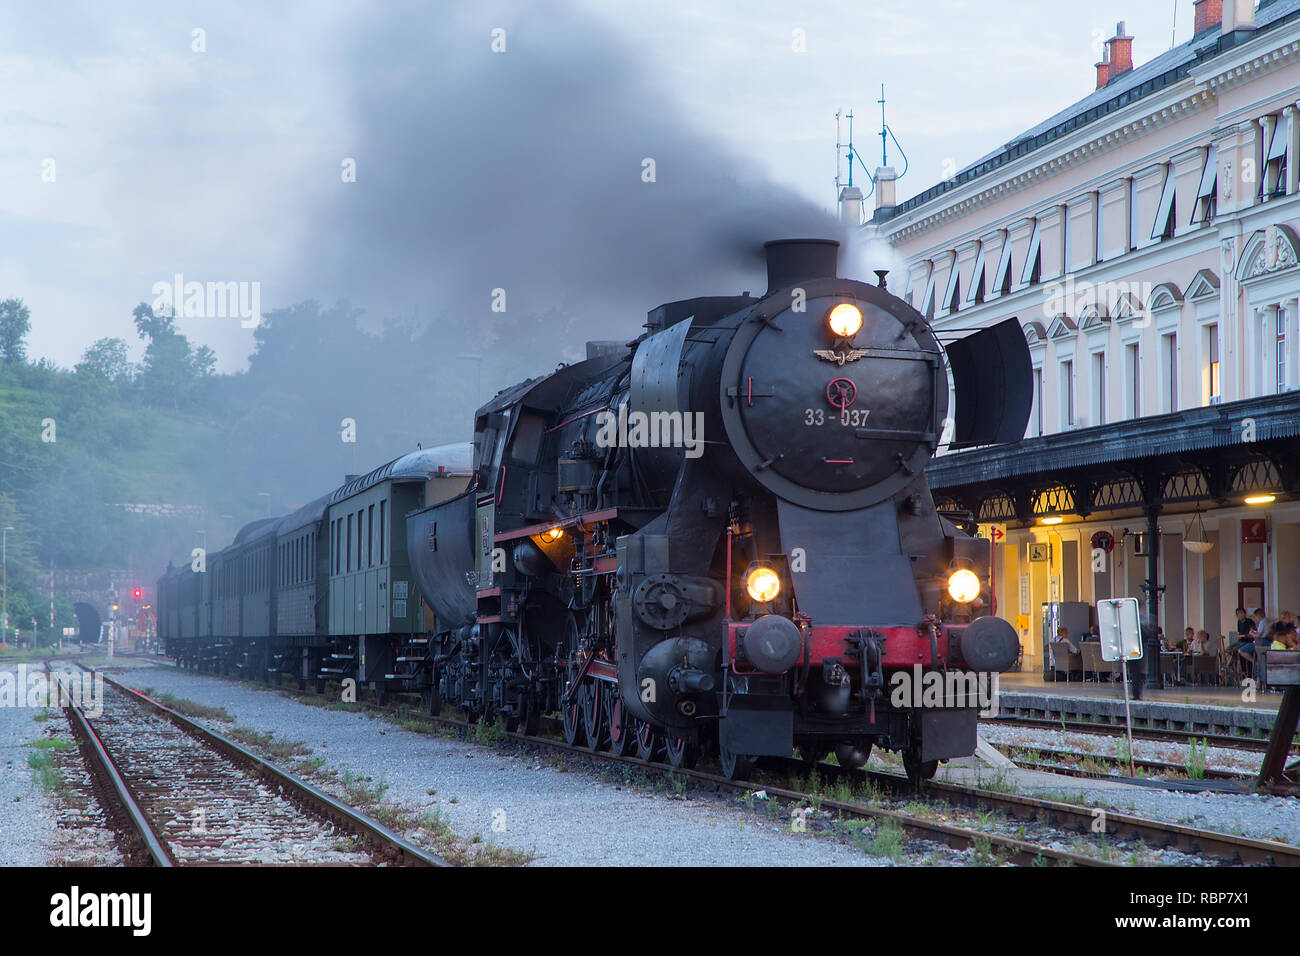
812 754
918 771
622 727
593 715
381 694
682 753
648 743
571 719
735 766
851 756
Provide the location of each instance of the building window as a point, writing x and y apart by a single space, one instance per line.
1280 349
1207 194
1099 388
1274 180
1133 373
1169 369
1038 401
1166 211
1067 395
1211 371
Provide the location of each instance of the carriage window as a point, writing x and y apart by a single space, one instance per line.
383 525
370 537
348 566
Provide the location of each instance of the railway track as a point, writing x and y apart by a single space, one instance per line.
182 795
1068 822
1252 744
1069 762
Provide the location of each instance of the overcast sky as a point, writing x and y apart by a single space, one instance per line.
217 164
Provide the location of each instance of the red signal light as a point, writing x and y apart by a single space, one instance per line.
137 594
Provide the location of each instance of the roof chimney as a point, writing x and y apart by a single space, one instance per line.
851 206
1209 14
1103 69
886 187
1238 16
1119 52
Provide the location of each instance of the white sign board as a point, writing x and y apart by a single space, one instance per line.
1120 627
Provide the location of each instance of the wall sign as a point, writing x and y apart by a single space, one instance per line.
1254 531
1040 551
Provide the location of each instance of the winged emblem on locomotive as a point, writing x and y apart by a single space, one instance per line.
839 356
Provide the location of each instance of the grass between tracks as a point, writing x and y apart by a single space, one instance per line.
189 708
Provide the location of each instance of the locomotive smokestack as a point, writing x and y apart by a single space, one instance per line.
790 261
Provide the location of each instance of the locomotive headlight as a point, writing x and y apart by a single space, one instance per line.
964 586
763 584
845 320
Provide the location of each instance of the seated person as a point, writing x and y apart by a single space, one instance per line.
1284 637
1184 644
1063 634
1244 646
1195 643
1244 624
1259 625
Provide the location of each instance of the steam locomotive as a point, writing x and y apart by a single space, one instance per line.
716 537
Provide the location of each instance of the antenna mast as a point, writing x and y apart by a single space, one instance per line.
884 144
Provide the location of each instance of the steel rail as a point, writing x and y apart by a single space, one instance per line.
386 842
1253 744
104 768
1223 846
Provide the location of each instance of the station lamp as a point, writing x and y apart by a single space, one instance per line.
1261 499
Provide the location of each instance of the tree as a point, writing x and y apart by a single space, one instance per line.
107 359
15 323
171 368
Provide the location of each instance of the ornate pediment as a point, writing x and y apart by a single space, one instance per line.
1062 327
1205 285
1128 307
1093 318
1165 296
1272 249
1035 334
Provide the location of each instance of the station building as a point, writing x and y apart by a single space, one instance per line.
1147 239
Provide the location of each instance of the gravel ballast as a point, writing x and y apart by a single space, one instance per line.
528 804
28 820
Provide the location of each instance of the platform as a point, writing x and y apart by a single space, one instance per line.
1216 710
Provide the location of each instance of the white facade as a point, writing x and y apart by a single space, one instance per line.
1150 251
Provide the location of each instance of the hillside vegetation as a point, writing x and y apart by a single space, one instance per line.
114 465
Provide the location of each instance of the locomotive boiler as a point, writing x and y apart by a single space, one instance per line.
720 536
